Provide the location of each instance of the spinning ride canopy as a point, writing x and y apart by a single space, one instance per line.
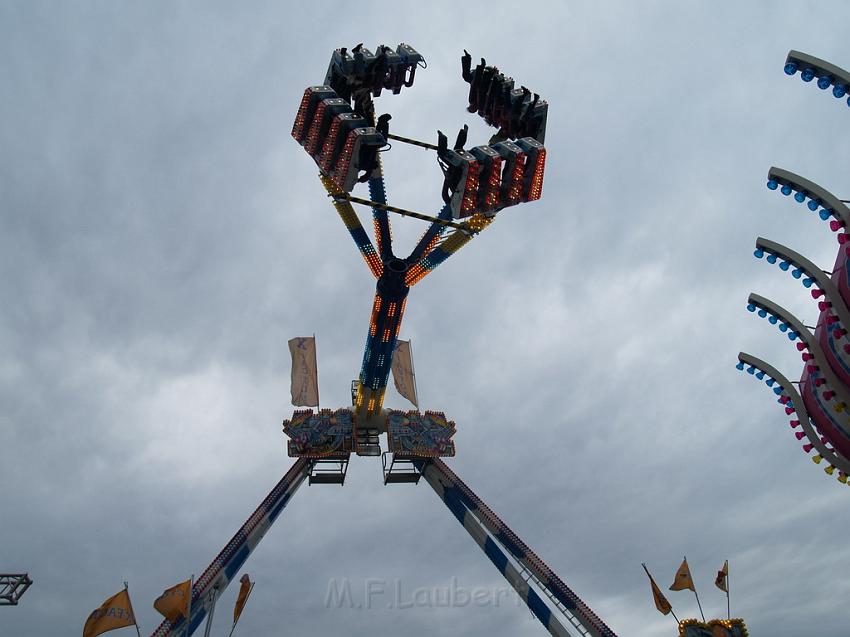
820 410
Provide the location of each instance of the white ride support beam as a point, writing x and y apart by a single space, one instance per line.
231 558
496 539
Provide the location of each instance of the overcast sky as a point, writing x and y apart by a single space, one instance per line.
162 236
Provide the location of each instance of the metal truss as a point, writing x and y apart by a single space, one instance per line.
12 587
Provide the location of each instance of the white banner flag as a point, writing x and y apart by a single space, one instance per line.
305 373
405 381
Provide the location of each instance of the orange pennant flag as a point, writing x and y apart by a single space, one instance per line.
115 612
661 602
720 582
174 602
683 578
244 591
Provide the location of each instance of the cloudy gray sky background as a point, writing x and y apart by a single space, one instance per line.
162 236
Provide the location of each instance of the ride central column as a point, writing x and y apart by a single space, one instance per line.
387 312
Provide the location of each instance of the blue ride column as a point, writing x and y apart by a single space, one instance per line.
384 324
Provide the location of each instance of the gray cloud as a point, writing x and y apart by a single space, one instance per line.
161 237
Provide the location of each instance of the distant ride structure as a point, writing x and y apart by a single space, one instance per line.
337 125
12 587
819 408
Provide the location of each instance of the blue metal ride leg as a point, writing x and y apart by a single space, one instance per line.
500 560
383 231
434 231
384 325
224 567
496 539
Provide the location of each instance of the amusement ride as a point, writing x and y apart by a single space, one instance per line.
819 408
337 125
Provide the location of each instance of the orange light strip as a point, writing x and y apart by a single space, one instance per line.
298 126
536 188
328 147
313 133
515 190
470 189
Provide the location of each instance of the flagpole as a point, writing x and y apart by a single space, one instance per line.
316 367
232 628
135 623
699 605
728 612
696 595
189 617
413 373
212 610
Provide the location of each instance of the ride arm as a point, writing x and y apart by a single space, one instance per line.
454 242
803 416
383 230
352 222
378 192
431 237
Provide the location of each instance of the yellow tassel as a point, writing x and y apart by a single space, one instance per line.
830 469
817 459
843 478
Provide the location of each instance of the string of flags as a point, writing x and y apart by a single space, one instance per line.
683 580
174 603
